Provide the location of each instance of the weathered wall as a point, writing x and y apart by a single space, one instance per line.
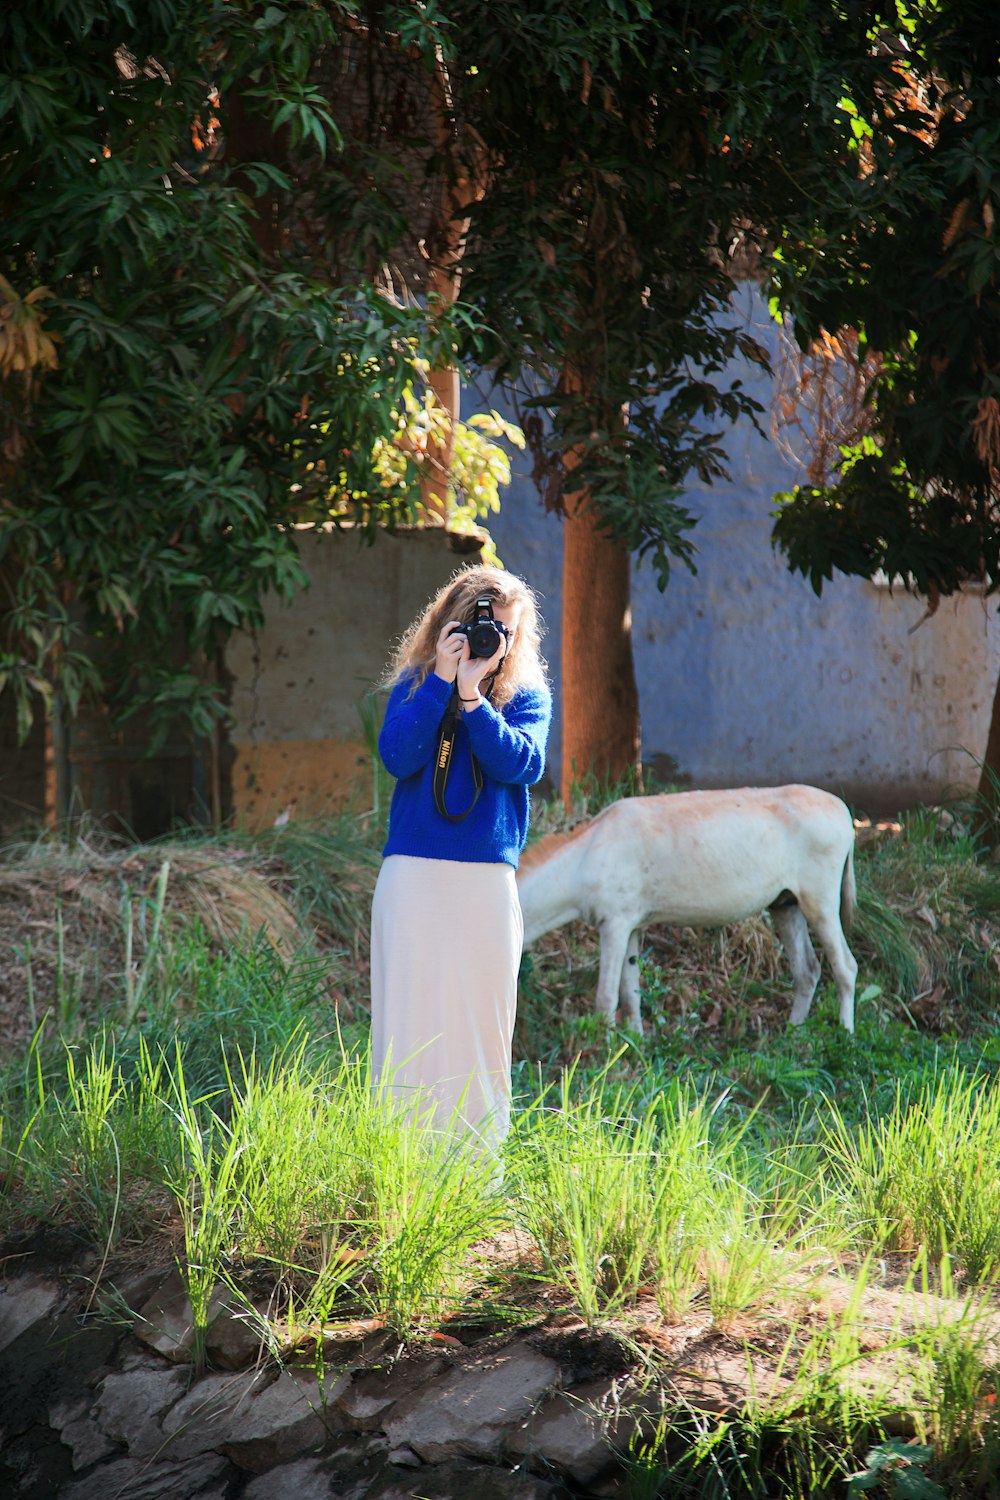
297 733
746 677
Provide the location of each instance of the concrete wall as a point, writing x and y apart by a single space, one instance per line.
297 734
745 677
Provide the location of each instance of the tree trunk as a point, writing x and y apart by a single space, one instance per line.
464 182
988 798
249 138
600 708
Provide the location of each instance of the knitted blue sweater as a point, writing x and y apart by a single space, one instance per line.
509 745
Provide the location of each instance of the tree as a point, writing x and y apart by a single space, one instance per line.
640 156
180 379
903 251
586 289
603 190
593 180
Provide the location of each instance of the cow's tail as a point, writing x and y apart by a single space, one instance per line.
848 892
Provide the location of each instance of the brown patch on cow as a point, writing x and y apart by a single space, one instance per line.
781 802
542 851
685 810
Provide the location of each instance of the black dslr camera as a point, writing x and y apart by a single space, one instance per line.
483 633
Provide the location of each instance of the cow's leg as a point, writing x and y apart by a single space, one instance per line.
822 911
790 925
629 990
827 927
614 933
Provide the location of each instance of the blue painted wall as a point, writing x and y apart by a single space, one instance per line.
745 677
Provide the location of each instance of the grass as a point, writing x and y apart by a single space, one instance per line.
791 1194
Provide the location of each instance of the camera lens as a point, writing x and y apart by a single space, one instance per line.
484 638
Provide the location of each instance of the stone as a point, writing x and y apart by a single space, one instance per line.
465 1411
166 1323
405 1458
124 1294
290 1417
235 1337
23 1302
256 1419
454 1482
209 1412
86 1442
305 1480
569 1433
369 1395
128 1479
360 1346
131 1405
69 1409
74 1420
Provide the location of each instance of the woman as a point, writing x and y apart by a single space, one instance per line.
446 922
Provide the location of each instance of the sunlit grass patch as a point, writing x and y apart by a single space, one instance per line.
924 1175
629 1195
797 1198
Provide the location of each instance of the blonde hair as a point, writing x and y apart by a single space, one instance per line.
523 665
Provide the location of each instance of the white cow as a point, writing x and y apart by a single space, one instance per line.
701 859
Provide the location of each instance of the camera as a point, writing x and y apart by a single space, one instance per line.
484 632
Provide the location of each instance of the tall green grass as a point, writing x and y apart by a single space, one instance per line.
713 1173
925 1174
625 1202
625 1196
677 1195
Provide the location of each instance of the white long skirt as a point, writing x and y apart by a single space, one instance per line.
446 945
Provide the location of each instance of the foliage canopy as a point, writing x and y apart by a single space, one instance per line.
197 200
903 247
213 388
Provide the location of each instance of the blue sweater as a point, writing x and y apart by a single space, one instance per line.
509 745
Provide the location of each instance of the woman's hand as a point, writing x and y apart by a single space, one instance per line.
451 650
472 670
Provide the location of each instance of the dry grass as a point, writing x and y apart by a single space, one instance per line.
75 919
928 932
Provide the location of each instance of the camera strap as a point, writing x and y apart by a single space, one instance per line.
442 765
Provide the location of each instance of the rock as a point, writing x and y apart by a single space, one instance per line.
454 1482
367 1396
131 1405
289 1418
405 1458
466 1411
63 1411
124 1294
166 1323
569 1433
263 1440
209 1412
305 1480
256 1420
74 1420
235 1337
23 1302
86 1442
360 1346
128 1479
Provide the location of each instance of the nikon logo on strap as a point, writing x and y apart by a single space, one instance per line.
446 745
